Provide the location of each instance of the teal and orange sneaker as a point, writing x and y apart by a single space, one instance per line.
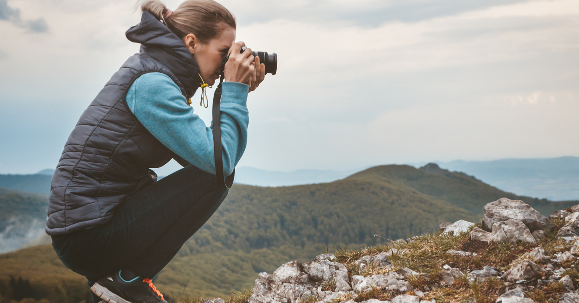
115 289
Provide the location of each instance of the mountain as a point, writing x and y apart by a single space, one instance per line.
259 177
37 183
258 228
552 178
22 218
47 172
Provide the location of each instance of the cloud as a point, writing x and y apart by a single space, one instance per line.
367 13
3 55
13 15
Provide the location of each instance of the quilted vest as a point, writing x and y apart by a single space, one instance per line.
109 154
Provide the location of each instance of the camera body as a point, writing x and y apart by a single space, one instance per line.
269 60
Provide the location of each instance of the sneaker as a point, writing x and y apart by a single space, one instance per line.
115 289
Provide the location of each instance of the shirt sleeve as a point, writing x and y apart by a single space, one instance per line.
158 104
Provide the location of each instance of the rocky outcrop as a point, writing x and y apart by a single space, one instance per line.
327 280
505 209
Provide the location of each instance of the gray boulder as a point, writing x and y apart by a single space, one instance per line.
560 214
569 297
514 296
479 234
536 254
510 231
567 282
485 273
443 226
448 276
505 209
458 227
575 248
523 270
391 281
406 299
571 228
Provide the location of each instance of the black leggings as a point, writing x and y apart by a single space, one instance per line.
147 230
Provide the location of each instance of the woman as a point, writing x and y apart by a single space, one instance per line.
109 219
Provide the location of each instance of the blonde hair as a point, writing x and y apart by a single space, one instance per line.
203 18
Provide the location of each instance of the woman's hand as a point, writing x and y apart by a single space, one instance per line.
258 75
241 66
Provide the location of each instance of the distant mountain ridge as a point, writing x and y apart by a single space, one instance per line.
555 179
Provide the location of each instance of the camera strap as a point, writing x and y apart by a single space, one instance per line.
218 148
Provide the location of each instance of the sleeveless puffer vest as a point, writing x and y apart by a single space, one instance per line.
109 154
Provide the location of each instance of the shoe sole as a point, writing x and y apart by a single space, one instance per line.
107 295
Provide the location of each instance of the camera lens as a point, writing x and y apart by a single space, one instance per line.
270 60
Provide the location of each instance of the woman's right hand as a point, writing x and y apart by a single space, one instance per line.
240 67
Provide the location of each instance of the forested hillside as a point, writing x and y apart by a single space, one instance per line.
258 228
22 217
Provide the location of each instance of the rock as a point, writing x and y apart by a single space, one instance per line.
536 254
572 217
510 231
458 227
461 253
559 215
483 274
504 209
290 273
516 292
479 234
570 229
321 269
406 299
514 300
216 300
569 297
405 272
564 256
448 276
443 226
538 234
575 248
323 257
380 260
390 281
567 282
375 301
523 270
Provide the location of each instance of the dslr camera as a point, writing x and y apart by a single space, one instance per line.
270 60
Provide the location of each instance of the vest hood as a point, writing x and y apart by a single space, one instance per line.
163 45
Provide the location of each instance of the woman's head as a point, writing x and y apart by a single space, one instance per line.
205 26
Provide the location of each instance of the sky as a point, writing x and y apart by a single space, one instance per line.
359 83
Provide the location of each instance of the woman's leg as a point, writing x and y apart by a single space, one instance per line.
149 228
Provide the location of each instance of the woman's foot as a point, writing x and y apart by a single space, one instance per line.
115 289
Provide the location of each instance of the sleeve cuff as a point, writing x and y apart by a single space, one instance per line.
234 92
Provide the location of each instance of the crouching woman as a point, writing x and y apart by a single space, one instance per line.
109 218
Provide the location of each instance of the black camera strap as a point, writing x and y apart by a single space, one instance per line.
218 148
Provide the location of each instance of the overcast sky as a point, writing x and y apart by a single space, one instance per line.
359 82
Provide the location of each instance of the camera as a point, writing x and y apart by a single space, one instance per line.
270 60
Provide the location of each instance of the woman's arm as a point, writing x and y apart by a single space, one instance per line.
161 108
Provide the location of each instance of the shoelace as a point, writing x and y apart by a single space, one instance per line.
150 282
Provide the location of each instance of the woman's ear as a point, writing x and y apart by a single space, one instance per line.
191 42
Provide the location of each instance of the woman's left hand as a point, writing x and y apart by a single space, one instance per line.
258 74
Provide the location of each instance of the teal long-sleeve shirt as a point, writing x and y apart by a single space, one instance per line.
158 104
